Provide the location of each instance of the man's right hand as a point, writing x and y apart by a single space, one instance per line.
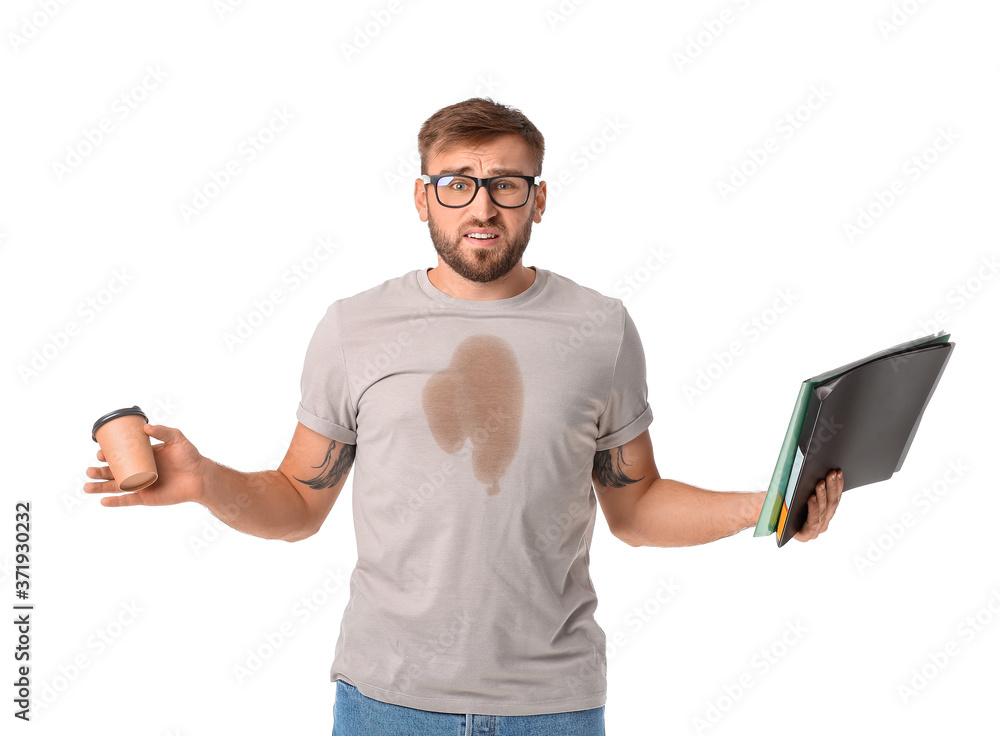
179 465
289 503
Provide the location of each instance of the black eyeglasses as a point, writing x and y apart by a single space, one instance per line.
510 191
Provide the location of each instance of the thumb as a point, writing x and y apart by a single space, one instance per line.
162 432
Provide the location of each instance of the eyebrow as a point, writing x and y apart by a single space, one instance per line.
467 170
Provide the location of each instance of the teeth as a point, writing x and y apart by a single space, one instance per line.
482 236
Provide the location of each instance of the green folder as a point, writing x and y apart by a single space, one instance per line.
790 454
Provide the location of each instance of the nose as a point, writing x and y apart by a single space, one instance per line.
482 206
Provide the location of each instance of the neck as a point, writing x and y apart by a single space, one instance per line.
517 280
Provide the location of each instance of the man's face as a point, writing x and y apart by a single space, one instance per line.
481 260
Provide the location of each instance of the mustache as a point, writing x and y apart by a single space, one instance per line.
491 223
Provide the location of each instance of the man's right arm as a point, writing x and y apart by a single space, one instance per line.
289 503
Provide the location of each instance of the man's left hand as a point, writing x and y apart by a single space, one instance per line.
822 505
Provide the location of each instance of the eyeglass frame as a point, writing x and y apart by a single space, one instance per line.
433 179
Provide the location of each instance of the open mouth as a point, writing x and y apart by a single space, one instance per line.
481 237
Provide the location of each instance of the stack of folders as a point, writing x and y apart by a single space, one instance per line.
861 418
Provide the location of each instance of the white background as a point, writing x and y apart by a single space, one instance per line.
642 139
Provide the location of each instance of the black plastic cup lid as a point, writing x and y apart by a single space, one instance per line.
114 415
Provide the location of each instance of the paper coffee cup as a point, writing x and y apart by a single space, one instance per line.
126 448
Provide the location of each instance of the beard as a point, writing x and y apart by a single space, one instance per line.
481 264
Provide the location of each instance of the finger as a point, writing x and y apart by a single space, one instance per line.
821 500
838 485
100 456
129 499
163 432
808 530
816 508
103 473
106 486
834 490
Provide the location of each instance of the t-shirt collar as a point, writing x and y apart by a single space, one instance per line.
541 277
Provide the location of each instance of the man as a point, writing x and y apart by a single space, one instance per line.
484 403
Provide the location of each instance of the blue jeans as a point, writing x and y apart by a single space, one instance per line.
355 714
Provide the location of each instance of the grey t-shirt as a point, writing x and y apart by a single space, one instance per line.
476 424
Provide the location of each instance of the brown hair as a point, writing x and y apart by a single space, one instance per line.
476 121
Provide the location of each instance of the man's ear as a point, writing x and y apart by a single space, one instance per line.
539 202
420 199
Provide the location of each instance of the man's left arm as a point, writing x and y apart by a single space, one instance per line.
643 509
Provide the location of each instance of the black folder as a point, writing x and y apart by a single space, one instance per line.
861 418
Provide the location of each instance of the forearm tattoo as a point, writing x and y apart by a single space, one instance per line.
332 469
608 470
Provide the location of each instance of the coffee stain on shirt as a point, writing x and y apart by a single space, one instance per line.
478 398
